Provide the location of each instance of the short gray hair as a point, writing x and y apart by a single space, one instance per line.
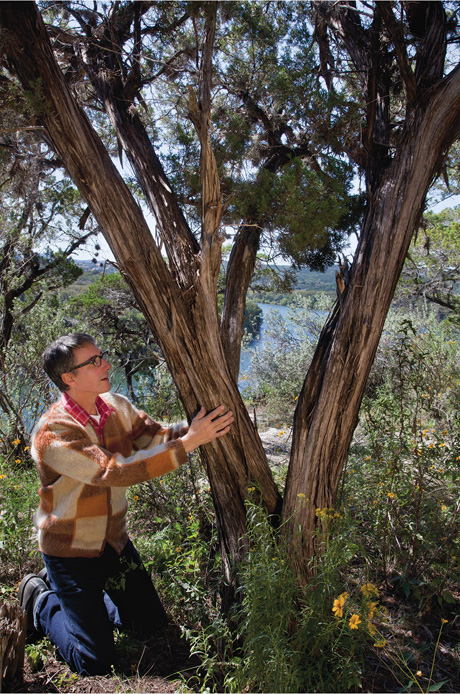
58 358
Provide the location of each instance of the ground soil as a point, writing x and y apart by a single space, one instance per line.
152 666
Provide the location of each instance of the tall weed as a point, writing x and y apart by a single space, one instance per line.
402 478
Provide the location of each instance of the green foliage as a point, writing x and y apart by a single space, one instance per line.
431 271
279 366
287 638
303 207
252 319
24 389
174 527
157 395
268 612
268 119
404 481
18 487
38 654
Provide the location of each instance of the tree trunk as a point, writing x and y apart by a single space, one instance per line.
327 411
13 631
240 270
185 322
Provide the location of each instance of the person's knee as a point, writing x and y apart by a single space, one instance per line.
88 663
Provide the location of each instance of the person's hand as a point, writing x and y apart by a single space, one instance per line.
207 427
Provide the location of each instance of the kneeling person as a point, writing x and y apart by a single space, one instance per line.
89 447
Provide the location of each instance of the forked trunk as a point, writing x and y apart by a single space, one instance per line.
328 407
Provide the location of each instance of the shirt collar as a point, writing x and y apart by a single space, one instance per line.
81 415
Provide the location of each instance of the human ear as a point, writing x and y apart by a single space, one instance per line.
67 378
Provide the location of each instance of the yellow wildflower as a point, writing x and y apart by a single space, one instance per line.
354 621
17 461
380 644
16 442
369 590
135 498
337 607
391 495
444 621
372 607
2 477
419 673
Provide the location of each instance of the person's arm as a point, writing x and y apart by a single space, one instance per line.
66 448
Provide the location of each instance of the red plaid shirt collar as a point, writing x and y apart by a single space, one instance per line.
82 415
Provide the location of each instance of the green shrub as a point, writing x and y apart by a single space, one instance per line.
278 368
402 480
18 502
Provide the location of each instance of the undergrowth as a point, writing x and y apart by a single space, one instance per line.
379 612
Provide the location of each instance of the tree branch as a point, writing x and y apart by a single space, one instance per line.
397 36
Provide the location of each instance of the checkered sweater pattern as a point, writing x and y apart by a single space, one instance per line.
83 482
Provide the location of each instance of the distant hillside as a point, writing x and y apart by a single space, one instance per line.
308 283
316 281
91 273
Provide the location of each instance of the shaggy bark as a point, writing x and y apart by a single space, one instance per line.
328 407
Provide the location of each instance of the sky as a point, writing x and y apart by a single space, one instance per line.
106 254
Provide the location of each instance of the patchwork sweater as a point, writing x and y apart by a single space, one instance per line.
83 480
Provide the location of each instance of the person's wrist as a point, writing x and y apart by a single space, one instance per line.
187 442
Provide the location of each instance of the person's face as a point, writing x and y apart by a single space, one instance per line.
88 379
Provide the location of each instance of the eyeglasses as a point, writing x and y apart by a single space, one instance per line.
95 361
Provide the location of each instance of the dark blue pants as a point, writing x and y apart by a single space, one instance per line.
90 597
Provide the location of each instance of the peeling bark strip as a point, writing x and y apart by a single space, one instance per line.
184 320
327 411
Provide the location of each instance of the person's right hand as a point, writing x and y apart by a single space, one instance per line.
207 427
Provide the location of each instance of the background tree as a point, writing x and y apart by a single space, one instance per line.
432 269
108 309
